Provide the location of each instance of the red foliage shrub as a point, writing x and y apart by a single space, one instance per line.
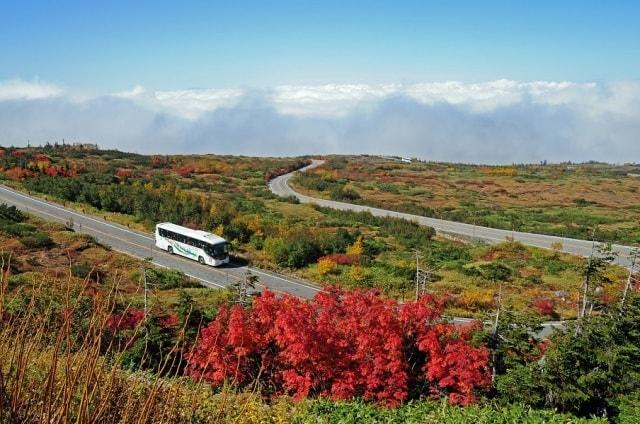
544 306
124 173
17 173
52 171
185 171
341 345
543 346
39 157
342 259
168 321
271 174
58 171
130 319
17 153
157 160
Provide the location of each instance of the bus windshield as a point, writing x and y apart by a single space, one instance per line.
218 250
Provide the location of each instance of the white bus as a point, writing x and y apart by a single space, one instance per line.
200 246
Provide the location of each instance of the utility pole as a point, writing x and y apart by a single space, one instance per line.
585 285
634 273
417 274
144 279
145 285
422 276
498 308
495 331
474 218
242 286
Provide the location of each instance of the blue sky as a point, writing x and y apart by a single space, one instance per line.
102 46
474 81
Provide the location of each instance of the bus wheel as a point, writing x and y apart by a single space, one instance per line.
201 260
170 250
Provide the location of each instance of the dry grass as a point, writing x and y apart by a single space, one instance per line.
50 371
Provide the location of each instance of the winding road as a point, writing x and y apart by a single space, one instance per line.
280 186
142 245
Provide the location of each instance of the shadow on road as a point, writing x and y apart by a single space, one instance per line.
235 262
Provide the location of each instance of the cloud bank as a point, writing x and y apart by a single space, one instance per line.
499 121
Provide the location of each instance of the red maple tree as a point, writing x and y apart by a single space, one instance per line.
342 345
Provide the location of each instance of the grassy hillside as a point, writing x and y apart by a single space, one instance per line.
567 200
228 195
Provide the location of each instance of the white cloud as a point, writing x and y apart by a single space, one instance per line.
134 93
492 122
339 100
17 89
191 104
330 99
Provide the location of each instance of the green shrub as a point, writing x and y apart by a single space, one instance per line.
300 253
344 194
628 408
496 271
290 199
294 253
17 229
408 233
237 231
11 214
336 242
388 187
37 240
167 278
81 269
25 278
586 368
325 411
257 242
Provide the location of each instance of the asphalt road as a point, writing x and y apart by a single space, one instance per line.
142 245
280 186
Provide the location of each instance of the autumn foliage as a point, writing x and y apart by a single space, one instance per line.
544 306
273 173
185 171
17 173
342 345
341 259
125 321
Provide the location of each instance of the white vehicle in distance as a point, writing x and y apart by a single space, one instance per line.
200 246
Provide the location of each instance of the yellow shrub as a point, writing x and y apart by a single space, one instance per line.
475 299
356 248
326 266
357 274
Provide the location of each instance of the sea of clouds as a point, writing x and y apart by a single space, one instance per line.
500 121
